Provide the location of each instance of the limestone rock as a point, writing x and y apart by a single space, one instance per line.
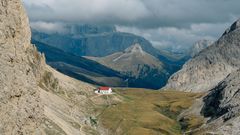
20 68
34 98
210 66
221 108
199 46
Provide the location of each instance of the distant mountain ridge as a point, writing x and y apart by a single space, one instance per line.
96 41
80 67
103 41
88 29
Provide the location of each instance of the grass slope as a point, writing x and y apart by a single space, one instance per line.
145 112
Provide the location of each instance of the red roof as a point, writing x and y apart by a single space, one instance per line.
104 88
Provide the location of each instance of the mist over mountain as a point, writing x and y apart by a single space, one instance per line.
90 40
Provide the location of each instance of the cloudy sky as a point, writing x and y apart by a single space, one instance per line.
166 23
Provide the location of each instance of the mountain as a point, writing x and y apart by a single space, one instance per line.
37 99
79 67
89 44
98 41
221 105
211 65
199 46
214 71
20 107
103 41
143 69
34 98
88 29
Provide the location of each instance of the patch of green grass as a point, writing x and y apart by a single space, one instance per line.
146 112
166 111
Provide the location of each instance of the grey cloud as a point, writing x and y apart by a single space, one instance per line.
87 11
179 38
168 23
49 27
141 13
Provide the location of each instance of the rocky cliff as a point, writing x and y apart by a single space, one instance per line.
210 66
34 98
21 65
214 71
221 107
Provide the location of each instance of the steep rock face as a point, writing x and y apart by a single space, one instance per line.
34 98
235 25
210 66
222 106
20 69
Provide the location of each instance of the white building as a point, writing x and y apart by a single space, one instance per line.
104 90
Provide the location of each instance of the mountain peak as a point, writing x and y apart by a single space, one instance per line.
210 66
234 26
135 48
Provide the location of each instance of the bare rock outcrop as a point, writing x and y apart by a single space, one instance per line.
20 70
222 105
199 46
210 66
34 98
215 71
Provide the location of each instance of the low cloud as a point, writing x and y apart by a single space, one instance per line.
87 11
140 13
48 27
178 38
171 23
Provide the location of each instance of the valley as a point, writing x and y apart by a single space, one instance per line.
143 112
91 79
142 66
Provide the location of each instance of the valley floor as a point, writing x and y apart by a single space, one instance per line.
71 107
144 112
